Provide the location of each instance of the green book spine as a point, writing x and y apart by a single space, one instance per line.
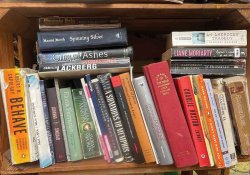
86 125
71 125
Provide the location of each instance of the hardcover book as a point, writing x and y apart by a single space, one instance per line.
163 91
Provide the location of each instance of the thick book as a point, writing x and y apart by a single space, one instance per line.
77 23
186 95
78 56
127 120
176 53
72 133
82 39
223 109
218 124
59 148
137 118
176 130
105 82
45 157
110 156
153 122
208 120
237 96
109 126
226 38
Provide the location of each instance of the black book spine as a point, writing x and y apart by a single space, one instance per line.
60 153
81 39
78 56
127 120
109 126
86 65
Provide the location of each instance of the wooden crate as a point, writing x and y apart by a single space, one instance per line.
21 19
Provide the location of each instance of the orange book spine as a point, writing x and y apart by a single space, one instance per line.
210 123
137 118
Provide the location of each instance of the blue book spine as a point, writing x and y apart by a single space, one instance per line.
47 120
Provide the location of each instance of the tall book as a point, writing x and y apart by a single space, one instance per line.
105 82
176 130
185 91
223 109
217 122
127 120
73 138
86 127
208 120
137 118
60 153
152 120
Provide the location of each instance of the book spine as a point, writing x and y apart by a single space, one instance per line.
82 39
60 153
45 158
105 82
152 121
78 56
110 156
58 97
86 65
47 120
71 125
217 122
127 120
109 126
185 91
88 135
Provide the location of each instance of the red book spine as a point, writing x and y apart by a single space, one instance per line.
185 91
170 111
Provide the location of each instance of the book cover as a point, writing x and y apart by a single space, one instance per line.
78 56
73 138
223 109
86 127
137 118
186 95
152 120
105 82
59 148
82 39
217 83
127 120
176 130
217 122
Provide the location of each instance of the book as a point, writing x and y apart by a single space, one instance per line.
76 23
81 39
209 124
106 116
237 96
217 122
110 156
176 130
59 148
127 120
86 127
226 38
73 138
105 83
223 109
176 53
152 120
217 83
186 95
137 118
78 56
45 157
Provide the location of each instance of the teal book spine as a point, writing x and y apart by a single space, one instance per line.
86 127
72 133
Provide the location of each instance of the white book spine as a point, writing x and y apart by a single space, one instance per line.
217 122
